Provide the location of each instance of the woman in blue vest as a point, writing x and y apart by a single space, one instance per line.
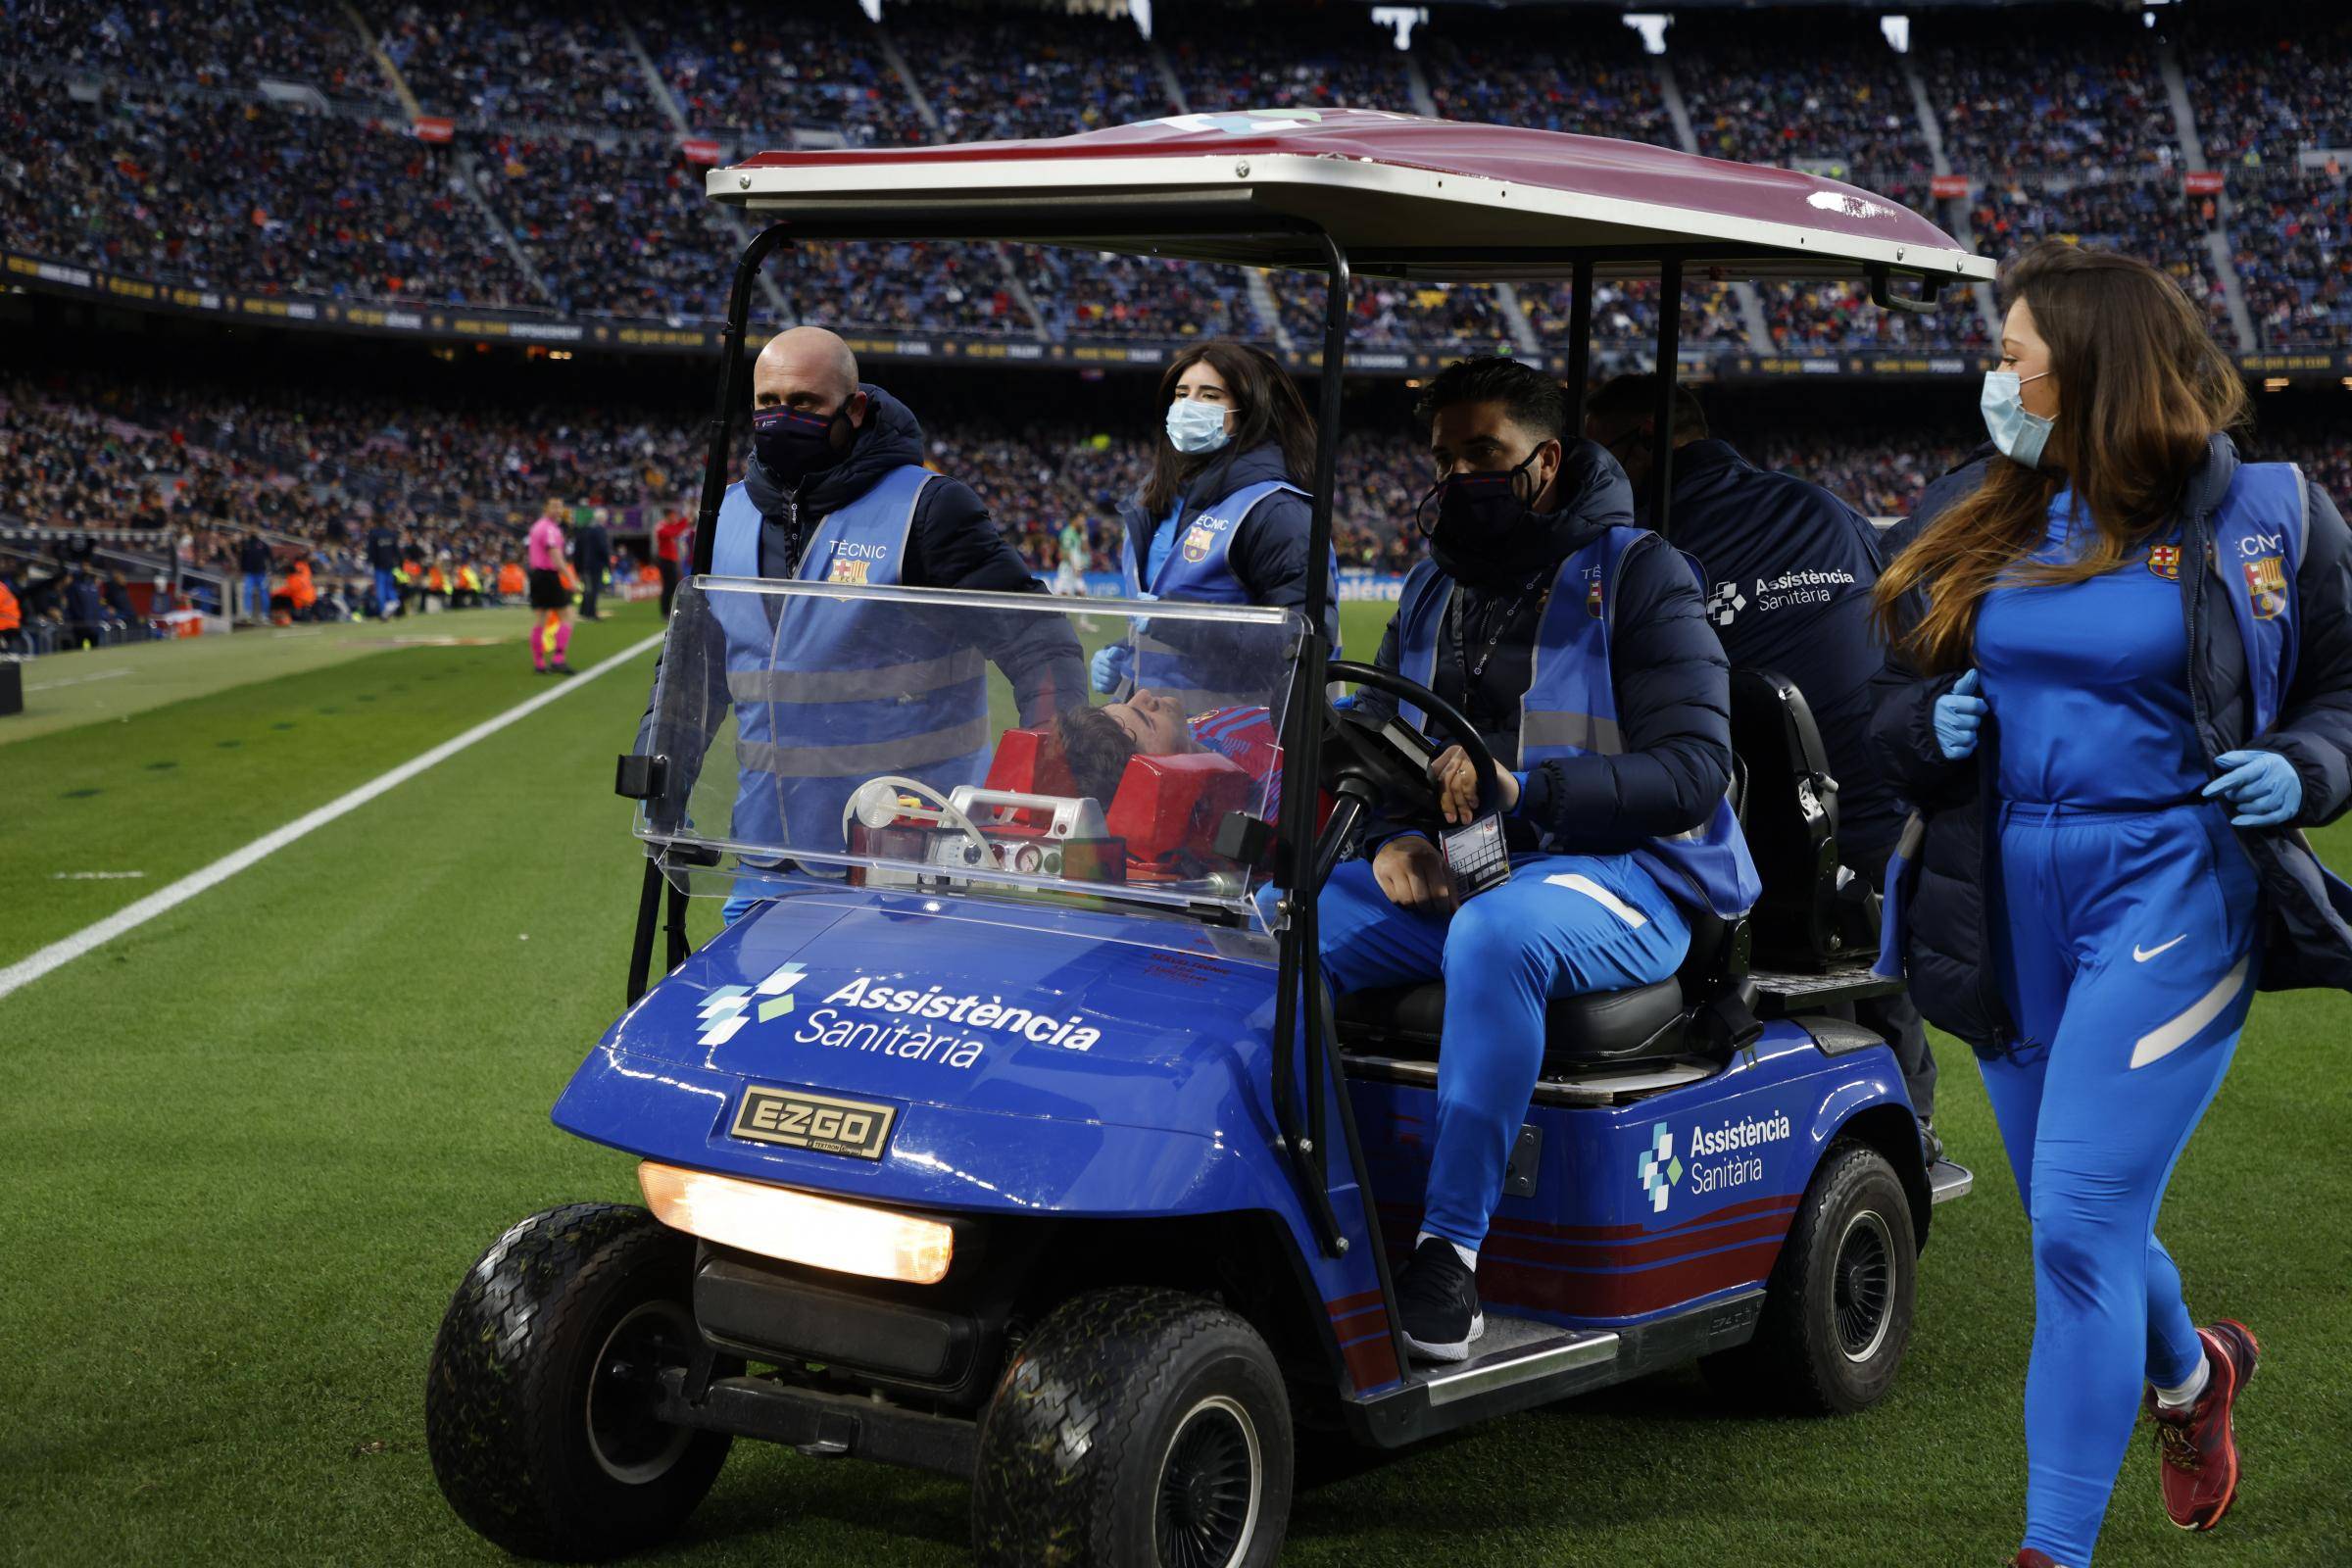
1223 518
2132 684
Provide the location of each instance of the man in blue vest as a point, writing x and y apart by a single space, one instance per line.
829 692
1579 647
1790 568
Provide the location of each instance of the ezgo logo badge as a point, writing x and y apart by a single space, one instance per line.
819 1123
1659 1167
728 1008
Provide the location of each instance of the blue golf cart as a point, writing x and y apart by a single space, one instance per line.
1011 1134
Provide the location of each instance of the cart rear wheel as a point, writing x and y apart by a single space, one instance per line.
1135 1427
1838 1311
540 1406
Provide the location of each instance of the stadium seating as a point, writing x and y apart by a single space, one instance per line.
217 192
763 75
519 63
227 45
566 122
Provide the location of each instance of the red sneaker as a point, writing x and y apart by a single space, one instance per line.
2197 1446
2032 1558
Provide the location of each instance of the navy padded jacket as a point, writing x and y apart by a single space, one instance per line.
2306 938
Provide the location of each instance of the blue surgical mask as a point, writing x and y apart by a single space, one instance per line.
1195 426
2019 435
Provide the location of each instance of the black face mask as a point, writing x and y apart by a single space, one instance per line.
1481 525
793 445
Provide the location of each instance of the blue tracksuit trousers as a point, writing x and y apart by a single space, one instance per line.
2125 949
1562 926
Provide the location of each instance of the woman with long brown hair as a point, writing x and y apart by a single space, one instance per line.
1223 518
2120 681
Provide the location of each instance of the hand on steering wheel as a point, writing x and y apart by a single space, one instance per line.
1367 765
1390 765
1457 779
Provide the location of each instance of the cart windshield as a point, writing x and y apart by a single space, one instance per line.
946 741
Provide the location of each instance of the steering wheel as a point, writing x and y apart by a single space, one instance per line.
1365 766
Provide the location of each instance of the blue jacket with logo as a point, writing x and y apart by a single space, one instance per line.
2307 939
1269 553
1672 684
1789 570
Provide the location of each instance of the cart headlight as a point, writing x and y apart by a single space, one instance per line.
798 1227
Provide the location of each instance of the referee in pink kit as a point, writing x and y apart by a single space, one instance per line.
551 636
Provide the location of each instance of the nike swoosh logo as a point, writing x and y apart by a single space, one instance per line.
2140 954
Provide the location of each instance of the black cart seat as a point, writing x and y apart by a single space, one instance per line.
1403 1022
1813 916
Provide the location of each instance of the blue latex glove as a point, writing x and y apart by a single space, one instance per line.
1110 667
1958 713
2263 785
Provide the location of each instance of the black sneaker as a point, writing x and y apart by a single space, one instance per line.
1437 1296
1930 1146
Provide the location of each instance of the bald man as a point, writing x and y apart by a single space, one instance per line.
835 490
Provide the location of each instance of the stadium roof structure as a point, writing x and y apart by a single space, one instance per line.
1401 195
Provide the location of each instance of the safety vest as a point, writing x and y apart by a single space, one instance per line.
1199 568
830 693
1570 709
2259 534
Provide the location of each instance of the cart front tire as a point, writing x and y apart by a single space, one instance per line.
538 1407
1135 1427
1837 1311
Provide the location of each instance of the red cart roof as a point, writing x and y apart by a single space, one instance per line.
1405 196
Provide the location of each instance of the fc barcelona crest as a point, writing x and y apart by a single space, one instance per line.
1196 542
2266 586
854 571
2164 561
1593 598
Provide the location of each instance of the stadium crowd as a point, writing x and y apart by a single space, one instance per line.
768 76
203 468
521 63
142 141
174 141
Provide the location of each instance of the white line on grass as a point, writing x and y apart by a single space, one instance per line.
131 916
77 680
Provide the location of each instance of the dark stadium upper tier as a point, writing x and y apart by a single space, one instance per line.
1406 196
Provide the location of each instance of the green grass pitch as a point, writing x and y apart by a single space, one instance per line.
249 1149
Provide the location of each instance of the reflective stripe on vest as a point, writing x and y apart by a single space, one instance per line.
828 692
1570 709
2259 533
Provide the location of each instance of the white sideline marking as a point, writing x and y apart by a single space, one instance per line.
131 916
75 680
